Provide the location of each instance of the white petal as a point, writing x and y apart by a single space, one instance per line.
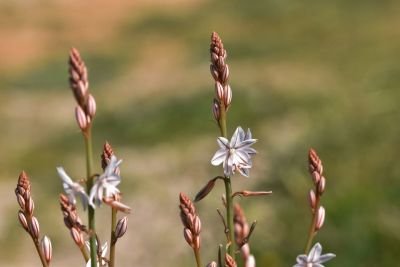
64 176
248 134
223 142
301 258
314 253
326 257
219 157
235 140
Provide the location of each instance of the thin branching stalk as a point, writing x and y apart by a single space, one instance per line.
312 232
89 184
113 238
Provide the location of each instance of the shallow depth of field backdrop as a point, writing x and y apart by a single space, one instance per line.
322 74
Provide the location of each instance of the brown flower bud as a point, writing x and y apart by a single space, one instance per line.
216 110
91 106
77 237
196 225
21 201
34 228
229 261
316 177
81 118
205 190
46 248
219 91
188 236
29 206
214 72
227 95
22 220
312 199
121 227
321 185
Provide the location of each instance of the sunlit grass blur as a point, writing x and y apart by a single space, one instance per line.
322 74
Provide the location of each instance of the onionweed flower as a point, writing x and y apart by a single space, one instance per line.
235 154
314 258
105 185
72 189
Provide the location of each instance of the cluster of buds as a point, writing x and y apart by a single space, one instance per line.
190 221
220 72
242 233
79 83
316 172
72 221
30 222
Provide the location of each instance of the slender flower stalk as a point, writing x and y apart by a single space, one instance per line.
220 73
79 83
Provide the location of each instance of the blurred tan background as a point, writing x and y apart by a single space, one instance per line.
322 74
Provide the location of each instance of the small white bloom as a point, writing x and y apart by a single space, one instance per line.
236 154
103 254
314 258
72 189
105 185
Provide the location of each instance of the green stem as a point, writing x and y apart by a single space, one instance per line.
229 217
312 233
228 189
112 247
89 183
197 255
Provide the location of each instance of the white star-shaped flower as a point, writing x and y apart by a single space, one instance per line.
105 185
314 258
72 189
235 154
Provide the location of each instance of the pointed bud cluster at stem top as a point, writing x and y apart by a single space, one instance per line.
190 221
220 72
316 173
79 83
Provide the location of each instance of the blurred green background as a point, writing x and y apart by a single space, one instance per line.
321 74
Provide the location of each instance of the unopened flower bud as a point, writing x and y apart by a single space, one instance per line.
229 261
188 236
320 218
121 227
46 248
225 74
251 261
77 237
216 111
219 90
197 225
34 228
80 118
245 250
30 206
227 95
312 199
212 264
214 72
91 106
21 201
22 220
316 177
321 185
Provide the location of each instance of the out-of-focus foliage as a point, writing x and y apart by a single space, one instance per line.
322 74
